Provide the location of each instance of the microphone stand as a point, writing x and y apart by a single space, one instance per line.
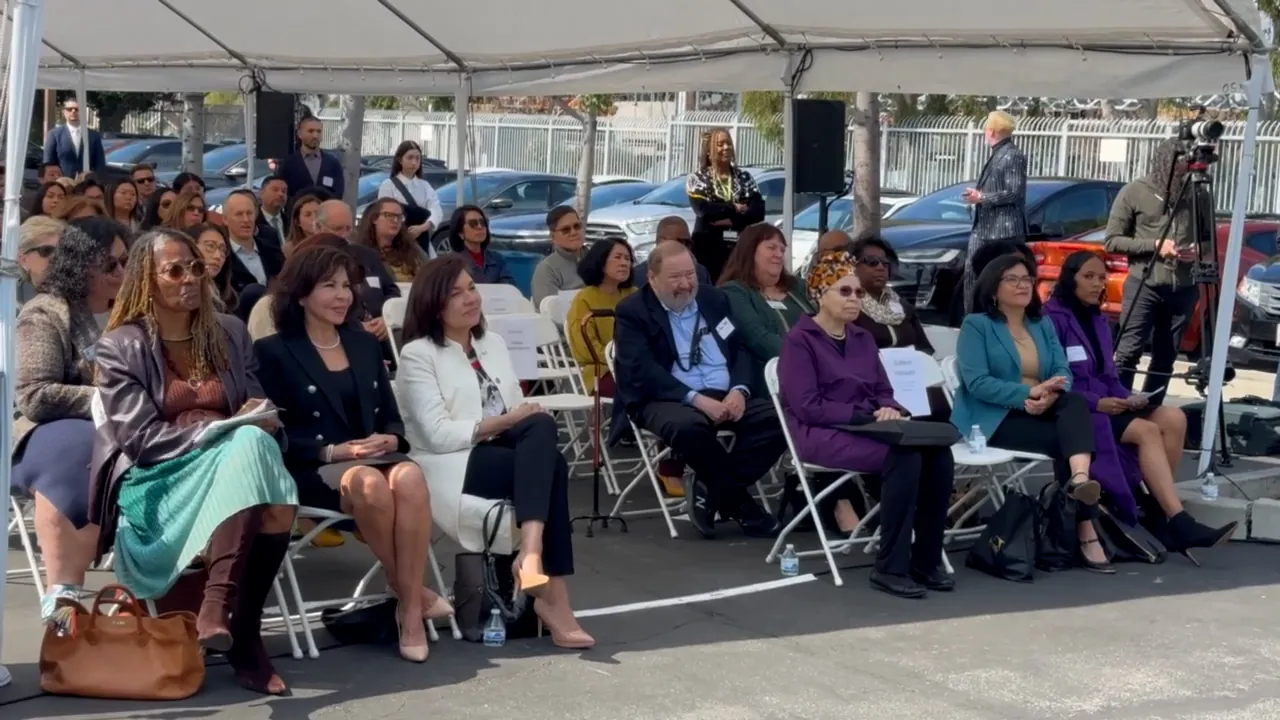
597 455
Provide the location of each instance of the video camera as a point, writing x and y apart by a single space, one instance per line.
1199 138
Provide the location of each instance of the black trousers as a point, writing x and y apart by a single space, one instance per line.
1159 315
915 489
727 474
1065 429
524 465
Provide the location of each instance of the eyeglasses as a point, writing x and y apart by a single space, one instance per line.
111 264
875 262
177 271
477 223
44 251
392 216
575 227
1017 280
849 291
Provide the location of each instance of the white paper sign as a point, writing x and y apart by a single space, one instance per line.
1113 150
496 305
563 301
521 338
903 367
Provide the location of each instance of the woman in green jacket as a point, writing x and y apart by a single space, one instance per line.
764 298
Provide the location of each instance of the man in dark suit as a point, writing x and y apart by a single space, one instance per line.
273 199
256 257
671 228
1000 199
683 375
311 167
65 144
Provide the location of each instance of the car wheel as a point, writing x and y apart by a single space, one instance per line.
440 241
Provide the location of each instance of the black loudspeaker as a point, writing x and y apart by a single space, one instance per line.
274 135
819 146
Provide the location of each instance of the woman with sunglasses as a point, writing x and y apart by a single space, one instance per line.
37 240
167 486
830 377
469 235
891 321
53 434
158 208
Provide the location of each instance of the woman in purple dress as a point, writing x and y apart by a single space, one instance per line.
1136 442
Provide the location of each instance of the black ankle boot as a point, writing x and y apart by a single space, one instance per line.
1186 534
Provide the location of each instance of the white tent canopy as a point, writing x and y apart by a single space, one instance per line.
1061 48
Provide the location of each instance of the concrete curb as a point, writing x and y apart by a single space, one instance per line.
1254 506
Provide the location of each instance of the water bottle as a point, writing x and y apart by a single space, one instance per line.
1209 488
977 441
790 561
495 631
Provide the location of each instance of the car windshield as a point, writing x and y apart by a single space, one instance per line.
609 195
486 186
1097 236
946 205
669 193
224 157
839 215
131 152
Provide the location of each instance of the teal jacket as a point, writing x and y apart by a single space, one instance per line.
991 372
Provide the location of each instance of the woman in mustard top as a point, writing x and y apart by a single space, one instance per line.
606 275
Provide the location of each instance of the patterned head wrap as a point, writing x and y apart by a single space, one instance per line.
827 270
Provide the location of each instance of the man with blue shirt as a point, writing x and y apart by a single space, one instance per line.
682 375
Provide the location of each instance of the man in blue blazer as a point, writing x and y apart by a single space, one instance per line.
64 144
311 167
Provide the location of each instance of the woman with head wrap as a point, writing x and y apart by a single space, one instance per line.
830 377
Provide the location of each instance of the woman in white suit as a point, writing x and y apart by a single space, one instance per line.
478 440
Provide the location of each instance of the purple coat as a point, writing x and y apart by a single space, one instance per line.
1114 466
821 389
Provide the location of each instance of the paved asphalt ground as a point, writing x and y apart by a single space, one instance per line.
1153 642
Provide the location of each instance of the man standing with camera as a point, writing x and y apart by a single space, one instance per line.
1160 291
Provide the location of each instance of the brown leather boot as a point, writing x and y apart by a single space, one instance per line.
225 560
248 655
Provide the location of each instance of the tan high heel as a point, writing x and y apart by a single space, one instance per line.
439 610
571 640
412 653
529 577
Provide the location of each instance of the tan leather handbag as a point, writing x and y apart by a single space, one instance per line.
128 655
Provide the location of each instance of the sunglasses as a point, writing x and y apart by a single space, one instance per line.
44 251
177 271
875 262
849 291
477 223
111 264
144 180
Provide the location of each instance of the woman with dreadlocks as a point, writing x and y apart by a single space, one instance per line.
724 196
167 492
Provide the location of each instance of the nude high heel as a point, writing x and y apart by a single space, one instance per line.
571 640
529 577
412 653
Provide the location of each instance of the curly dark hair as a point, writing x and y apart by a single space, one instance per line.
591 266
306 268
83 247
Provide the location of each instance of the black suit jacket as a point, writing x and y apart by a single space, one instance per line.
375 273
645 348
1002 212
272 261
296 175
296 380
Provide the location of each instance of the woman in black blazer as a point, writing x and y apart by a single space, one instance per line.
346 445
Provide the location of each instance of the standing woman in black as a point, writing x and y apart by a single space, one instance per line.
724 197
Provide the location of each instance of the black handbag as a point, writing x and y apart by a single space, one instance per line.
1058 539
484 581
908 433
1007 547
1127 543
366 624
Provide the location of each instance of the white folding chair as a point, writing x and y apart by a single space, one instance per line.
943 339
22 523
393 311
404 289
503 299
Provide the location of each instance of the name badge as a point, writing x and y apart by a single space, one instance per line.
326 181
1076 353
374 281
777 305
724 329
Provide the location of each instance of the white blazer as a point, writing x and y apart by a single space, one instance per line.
441 405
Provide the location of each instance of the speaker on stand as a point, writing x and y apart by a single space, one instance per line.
819 152
276 123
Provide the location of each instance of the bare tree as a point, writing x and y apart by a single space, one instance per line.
193 133
352 137
587 110
866 163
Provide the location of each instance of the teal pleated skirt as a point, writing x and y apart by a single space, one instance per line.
168 511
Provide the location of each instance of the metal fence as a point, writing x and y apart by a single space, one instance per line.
918 155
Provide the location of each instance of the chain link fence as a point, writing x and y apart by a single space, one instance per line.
917 155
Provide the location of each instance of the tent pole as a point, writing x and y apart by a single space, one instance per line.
789 174
250 101
1231 267
461 118
24 58
82 99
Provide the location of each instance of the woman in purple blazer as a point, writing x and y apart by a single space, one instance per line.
830 376
1136 442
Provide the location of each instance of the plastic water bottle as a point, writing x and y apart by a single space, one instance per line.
1209 488
495 631
977 441
790 561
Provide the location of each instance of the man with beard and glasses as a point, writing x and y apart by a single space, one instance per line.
1159 310
683 375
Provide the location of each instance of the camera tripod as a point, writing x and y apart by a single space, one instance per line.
1204 275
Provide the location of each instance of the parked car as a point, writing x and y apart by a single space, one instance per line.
218 165
637 221
371 181
1255 332
501 192
527 232
383 162
931 236
162 153
804 235
1254 335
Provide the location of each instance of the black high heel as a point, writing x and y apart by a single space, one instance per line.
1102 568
1087 491
1186 534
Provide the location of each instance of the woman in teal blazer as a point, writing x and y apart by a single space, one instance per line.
1015 386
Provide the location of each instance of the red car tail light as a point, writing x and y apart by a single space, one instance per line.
1116 263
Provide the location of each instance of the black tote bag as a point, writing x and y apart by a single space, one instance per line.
1059 542
484 581
1007 547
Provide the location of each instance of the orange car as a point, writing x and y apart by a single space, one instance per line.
1259 244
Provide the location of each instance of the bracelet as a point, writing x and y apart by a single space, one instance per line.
328 454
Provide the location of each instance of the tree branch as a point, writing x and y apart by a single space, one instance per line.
563 105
